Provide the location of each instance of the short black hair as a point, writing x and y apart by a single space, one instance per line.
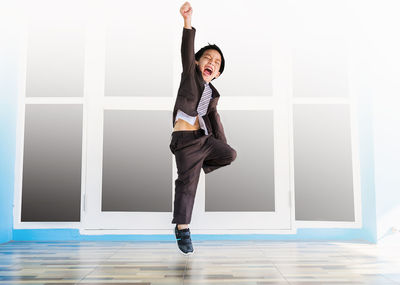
211 46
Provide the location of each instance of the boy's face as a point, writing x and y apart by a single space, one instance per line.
209 64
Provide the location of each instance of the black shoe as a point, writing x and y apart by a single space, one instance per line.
184 241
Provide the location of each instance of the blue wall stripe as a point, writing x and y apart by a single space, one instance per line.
302 234
8 116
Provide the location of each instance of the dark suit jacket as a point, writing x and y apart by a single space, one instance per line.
192 86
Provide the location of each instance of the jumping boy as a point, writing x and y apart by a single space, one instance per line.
198 140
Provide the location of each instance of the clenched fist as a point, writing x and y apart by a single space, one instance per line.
186 10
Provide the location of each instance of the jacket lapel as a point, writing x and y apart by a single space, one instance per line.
215 93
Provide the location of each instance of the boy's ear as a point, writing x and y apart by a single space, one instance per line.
218 74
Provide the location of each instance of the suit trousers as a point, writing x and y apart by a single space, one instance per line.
194 150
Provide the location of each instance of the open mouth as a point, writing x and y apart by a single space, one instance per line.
208 71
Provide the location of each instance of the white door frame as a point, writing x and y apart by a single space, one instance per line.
94 221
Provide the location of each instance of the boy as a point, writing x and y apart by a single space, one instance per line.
198 139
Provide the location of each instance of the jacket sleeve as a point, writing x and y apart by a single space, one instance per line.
216 124
187 49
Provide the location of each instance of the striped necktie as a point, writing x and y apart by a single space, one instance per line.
204 101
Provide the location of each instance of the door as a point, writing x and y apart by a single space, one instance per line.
130 171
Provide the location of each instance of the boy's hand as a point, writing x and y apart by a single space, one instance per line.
186 11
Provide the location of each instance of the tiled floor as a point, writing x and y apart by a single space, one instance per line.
214 262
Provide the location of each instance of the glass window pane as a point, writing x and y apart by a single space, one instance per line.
137 166
320 68
248 55
140 49
248 183
320 52
55 59
323 163
51 185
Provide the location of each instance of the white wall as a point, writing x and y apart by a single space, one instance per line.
381 23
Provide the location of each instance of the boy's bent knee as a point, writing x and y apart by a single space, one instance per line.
230 155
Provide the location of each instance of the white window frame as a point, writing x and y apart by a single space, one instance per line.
281 103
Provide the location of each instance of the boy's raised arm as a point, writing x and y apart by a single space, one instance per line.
187 47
